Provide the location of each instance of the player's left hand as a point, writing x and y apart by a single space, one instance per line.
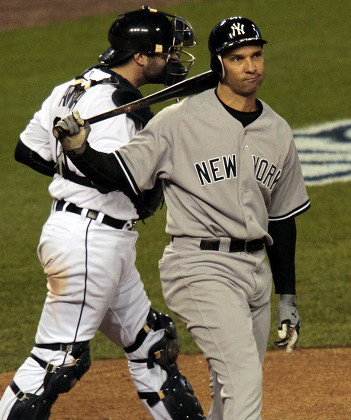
74 132
288 323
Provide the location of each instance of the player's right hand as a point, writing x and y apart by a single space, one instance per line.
73 132
288 323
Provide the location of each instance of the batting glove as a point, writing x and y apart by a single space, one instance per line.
288 323
72 131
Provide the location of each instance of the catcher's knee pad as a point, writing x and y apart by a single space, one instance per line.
63 378
156 321
165 351
58 380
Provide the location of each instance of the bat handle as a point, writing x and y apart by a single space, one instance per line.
58 132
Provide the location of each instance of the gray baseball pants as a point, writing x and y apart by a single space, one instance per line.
224 300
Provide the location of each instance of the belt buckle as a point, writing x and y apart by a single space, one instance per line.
92 214
66 347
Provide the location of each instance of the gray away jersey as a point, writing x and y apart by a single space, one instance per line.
220 179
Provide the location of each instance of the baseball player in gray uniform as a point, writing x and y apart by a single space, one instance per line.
87 246
233 186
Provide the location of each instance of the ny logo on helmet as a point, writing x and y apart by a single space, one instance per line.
238 29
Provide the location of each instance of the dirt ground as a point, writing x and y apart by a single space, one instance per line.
309 384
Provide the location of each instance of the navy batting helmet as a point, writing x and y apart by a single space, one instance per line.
150 31
231 32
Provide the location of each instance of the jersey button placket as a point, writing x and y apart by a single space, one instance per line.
245 175
246 147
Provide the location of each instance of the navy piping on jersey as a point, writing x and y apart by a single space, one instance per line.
85 280
298 210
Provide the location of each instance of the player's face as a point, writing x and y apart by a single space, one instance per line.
154 69
244 69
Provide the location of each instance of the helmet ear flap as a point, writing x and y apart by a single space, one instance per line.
217 66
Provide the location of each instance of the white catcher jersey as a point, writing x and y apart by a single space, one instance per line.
105 136
220 179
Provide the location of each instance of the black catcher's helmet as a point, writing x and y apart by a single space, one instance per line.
151 31
230 32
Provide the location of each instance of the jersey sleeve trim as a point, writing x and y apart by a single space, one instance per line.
298 210
127 174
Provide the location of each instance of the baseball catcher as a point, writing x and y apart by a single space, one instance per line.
87 245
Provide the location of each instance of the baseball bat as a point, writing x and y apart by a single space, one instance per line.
191 86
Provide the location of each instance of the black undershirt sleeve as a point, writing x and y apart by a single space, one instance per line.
27 156
104 169
282 255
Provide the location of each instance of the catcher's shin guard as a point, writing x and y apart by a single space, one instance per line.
175 391
30 406
58 380
178 397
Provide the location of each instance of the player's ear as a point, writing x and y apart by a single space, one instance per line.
140 58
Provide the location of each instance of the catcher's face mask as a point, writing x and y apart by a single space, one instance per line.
179 61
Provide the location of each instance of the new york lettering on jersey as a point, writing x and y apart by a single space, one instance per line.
265 172
225 167
216 169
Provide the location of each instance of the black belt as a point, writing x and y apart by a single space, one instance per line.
235 245
92 214
61 346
